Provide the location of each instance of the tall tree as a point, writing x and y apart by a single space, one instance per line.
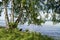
12 10
6 14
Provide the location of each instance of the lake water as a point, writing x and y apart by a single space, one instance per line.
46 29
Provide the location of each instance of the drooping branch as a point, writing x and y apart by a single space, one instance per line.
20 14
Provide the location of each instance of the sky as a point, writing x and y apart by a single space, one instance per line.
0 0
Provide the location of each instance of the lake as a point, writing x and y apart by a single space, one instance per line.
46 29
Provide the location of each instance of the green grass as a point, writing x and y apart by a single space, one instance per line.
15 34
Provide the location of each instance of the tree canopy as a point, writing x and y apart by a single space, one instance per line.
29 10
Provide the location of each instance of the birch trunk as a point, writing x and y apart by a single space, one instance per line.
6 15
12 11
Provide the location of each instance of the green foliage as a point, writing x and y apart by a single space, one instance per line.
1 3
38 21
32 8
6 2
12 25
18 35
32 11
54 17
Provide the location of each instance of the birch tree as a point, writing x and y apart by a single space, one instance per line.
5 12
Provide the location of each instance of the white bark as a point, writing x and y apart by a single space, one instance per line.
5 13
12 10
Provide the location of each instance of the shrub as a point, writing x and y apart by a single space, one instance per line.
12 25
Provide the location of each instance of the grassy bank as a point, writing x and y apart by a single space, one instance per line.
15 34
